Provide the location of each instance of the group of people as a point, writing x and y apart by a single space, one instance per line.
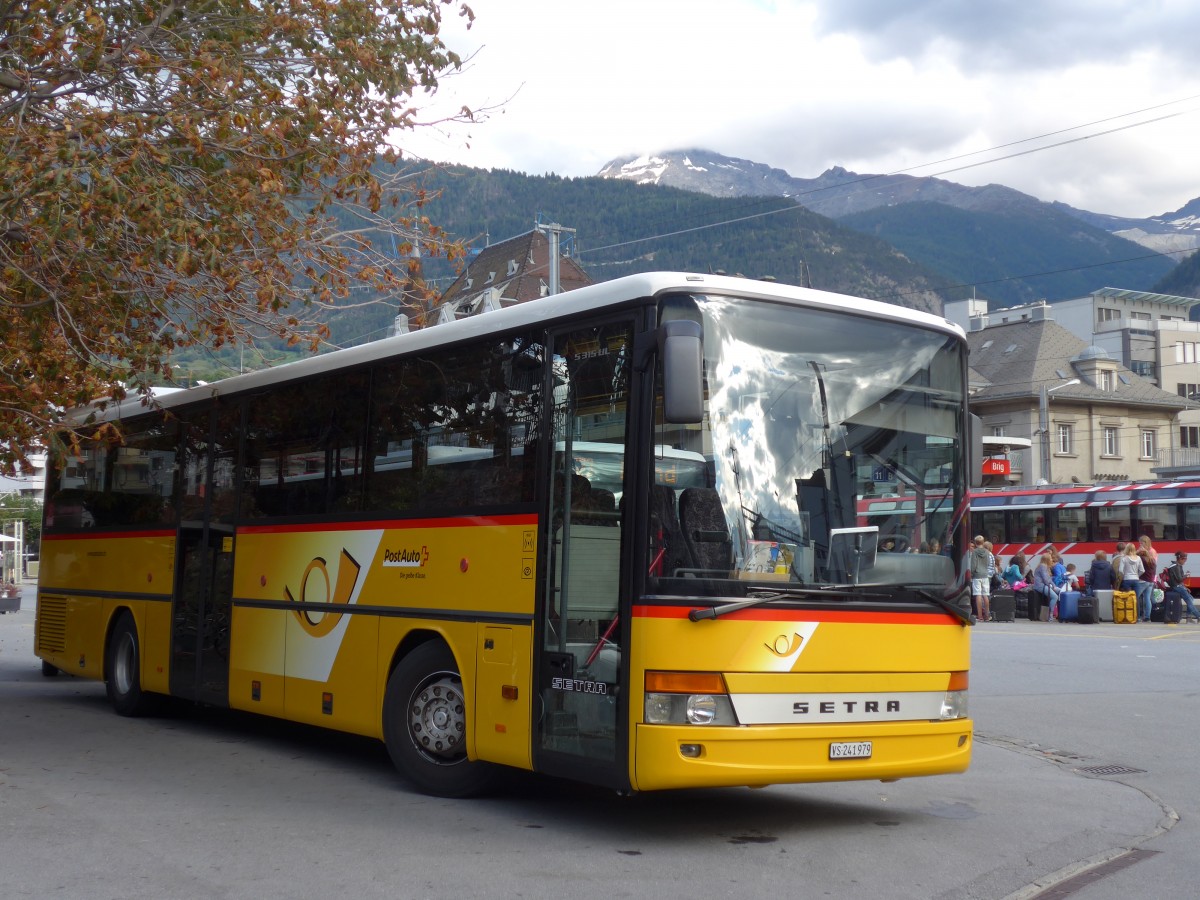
1134 568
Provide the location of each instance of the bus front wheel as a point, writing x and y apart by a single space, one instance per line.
123 671
425 724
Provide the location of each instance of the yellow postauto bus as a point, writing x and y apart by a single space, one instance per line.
609 535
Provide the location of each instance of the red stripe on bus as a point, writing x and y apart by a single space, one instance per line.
393 524
804 615
92 535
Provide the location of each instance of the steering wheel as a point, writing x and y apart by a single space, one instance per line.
900 543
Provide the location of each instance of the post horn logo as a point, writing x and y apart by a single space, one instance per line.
316 621
783 647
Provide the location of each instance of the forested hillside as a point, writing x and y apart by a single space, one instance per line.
622 228
1017 258
1183 280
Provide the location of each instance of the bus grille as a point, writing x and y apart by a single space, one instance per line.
51 624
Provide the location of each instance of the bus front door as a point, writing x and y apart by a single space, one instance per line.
580 731
203 601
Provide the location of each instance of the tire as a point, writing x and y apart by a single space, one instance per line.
49 670
123 672
425 725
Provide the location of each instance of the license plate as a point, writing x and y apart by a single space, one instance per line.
850 750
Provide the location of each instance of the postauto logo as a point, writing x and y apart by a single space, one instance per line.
318 593
405 558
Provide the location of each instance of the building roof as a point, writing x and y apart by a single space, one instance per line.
1015 360
519 268
1109 293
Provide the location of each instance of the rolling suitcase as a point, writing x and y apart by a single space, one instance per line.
1004 606
1125 607
1087 610
1104 605
1021 599
1172 607
1068 606
1035 606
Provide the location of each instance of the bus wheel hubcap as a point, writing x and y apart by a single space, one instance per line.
437 717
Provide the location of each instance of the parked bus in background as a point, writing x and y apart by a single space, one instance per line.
1080 520
609 535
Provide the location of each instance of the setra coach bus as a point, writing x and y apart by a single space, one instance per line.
608 535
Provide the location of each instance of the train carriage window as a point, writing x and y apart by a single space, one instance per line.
1029 525
1158 522
991 524
1069 525
1111 524
1191 522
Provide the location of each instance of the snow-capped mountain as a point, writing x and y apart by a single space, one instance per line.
838 193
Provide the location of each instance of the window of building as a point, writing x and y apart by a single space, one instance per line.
1189 436
1187 390
1140 316
1066 439
1147 444
1185 351
1107 315
999 431
1142 367
1106 380
1110 441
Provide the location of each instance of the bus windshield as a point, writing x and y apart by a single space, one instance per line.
810 412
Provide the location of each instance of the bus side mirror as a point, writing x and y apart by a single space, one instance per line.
975 450
681 350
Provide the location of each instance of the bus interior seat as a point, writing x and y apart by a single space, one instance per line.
604 506
666 534
705 530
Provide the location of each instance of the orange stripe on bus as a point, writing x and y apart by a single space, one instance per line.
804 615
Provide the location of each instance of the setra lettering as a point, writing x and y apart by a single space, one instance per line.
830 707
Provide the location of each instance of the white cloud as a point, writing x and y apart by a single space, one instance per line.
871 85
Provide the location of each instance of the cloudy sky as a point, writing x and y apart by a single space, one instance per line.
871 85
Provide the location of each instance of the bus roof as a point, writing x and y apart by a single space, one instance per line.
592 298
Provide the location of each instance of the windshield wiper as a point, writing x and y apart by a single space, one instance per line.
763 595
955 611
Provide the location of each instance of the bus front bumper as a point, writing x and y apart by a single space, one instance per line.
673 756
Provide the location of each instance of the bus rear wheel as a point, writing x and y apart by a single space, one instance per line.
123 672
425 725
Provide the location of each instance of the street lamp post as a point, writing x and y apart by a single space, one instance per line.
1044 424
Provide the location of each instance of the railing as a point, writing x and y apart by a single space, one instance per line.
1178 458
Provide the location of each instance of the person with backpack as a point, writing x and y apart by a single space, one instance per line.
1177 582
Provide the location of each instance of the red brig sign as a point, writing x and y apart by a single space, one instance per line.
996 467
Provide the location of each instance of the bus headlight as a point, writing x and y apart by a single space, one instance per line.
687 698
701 709
689 709
954 705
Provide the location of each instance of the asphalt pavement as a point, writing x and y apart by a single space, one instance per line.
1079 786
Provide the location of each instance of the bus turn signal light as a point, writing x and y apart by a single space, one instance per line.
685 683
